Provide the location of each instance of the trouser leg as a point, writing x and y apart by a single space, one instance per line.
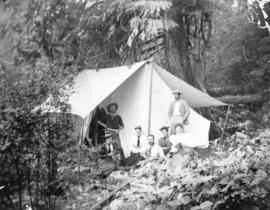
117 145
133 159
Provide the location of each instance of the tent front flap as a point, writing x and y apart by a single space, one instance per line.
91 87
194 97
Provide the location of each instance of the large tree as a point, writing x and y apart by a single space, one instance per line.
158 29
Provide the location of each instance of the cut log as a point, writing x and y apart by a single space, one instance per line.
100 203
242 99
232 90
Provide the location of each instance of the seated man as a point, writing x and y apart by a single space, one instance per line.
139 141
153 151
110 157
109 149
164 141
138 147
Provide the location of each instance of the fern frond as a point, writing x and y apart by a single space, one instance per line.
149 6
148 28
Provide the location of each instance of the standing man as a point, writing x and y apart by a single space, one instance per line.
113 124
164 141
178 111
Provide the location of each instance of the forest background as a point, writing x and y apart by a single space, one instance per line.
221 47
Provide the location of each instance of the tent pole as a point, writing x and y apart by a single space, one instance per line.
80 154
225 122
149 96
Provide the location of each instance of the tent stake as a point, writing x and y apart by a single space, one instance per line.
80 148
79 167
225 122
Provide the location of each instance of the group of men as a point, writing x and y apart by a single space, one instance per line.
141 146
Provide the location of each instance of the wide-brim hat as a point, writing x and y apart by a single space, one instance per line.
138 127
164 128
179 125
176 91
112 104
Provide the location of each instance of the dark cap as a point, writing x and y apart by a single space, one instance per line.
138 127
176 91
164 128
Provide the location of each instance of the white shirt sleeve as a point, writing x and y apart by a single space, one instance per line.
176 109
186 140
175 139
143 144
161 153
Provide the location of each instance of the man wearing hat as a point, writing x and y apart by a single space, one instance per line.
178 111
113 124
164 141
139 145
139 141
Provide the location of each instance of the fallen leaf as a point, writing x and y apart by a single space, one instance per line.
195 208
225 181
175 203
206 205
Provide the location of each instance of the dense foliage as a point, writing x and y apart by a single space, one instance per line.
31 142
235 179
30 152
232 174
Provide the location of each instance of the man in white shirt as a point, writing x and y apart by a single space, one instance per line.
138 147
153 151
139 141
178 111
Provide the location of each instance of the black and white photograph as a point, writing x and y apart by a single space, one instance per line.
134 104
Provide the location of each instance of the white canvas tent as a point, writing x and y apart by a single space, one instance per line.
143 92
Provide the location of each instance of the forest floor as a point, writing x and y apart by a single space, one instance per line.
231 173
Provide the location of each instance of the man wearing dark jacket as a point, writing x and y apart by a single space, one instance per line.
113 124
164 141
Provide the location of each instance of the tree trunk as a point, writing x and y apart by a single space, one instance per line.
175 56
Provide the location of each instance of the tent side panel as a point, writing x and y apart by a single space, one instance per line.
193 96
132 97
198 126
92 87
